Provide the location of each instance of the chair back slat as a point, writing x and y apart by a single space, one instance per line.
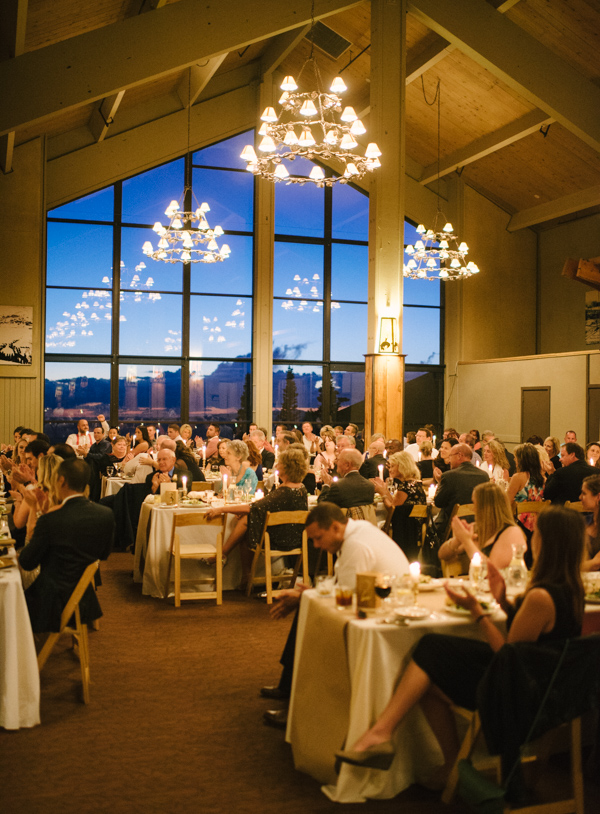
576 506
531 506
81 587
184 519
201 486
286 518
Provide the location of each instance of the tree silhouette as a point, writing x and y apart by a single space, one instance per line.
289 404
335 402
243 414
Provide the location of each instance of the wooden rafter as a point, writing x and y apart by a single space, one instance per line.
13 24
575 202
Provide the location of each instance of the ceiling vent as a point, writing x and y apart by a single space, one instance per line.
328 40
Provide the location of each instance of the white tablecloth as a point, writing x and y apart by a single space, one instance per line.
19 674
110 486
152 546
341 696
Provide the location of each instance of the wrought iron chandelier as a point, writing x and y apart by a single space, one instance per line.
313 125
188 237
438 254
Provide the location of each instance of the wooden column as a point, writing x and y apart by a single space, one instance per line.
384 373
264 200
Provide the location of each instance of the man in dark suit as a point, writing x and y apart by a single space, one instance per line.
267 458
351 489
565 483
64 542
166 469
457 484
374 459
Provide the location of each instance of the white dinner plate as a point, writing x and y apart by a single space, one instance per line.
412 612
456 611
433 585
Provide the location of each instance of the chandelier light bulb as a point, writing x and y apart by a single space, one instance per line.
443 273
218 231
373 151
448 228
264 129
269 115
374 163
463 248
306 138
317 174
348 142
267 145
157 226
290 138
331 136
443 244
248 153
176 223
284 97
308 109
163 243
348 115
455 264
358 128
338 85
420 229
281 172
289 83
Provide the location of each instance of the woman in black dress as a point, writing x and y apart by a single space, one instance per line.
409 492
446 670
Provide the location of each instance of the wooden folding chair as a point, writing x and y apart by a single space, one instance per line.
532 506
264 548
387 525
364 512
79 632
195 551
576 506
456 567
201 486
571 805
420 512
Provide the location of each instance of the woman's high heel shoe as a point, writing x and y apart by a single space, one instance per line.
379 756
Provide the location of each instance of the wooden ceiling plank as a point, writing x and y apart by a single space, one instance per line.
280 47
427 59
13 24
103 115
192 86
567 205
492 40
101 62
481 147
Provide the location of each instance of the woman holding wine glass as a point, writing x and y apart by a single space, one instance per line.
409 492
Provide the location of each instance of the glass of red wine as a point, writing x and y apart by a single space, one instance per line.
383 589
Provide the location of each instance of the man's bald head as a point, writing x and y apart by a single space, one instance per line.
376 447
348 460
164 442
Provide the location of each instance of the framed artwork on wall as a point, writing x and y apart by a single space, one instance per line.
16 334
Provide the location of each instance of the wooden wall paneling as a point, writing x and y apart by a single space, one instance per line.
19 405
384 391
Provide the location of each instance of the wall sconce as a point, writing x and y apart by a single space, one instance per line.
388 329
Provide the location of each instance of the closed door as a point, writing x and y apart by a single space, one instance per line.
535 412
593 414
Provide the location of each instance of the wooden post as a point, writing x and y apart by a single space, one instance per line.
384 388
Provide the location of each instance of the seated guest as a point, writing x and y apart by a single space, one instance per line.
290 496
31 502
285 440
173 432
467 438
212 439
237 466
267 458
446 670
185 431
497 530
101 445
406 530
34 451
477 437
592 453
456 485
255 458
112 433
495 460
218 459
117 455
64 542
345 442
590 499
425 462
83 436
442 463
327 457
185 460
370 467
423 434
152 435
351 431
167 472
141 443
359 547
552 447
351 489
65 451
309 480
527 484
393 445
311 441
565 483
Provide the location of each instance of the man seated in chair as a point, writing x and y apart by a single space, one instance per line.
167 471
65 540
351 489
359 547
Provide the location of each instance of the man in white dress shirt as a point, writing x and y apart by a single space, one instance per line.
422 435
360 547
83 436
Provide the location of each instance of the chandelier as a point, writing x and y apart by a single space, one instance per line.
438 254
188 237
312 125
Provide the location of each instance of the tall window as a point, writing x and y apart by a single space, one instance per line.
141 340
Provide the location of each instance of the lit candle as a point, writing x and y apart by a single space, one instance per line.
385 453
415 570
477 463
276 450
276 476
591 462
225 479
184 484
203 455
476 559
380 468
335 478
475 570
272 440
259 494
434 437
491 468
431 491
419 456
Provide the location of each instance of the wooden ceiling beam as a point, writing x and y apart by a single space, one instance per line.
525 126
567 205
13 25
102 62
280 48
518 60
430 57
191 87
104 115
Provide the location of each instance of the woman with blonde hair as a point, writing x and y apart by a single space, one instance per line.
186 433
493 533
495 461
327 457
237 466
552 447
408 493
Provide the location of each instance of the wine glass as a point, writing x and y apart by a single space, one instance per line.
110 471
383 588
391 486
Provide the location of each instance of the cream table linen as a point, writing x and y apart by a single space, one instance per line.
19 674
